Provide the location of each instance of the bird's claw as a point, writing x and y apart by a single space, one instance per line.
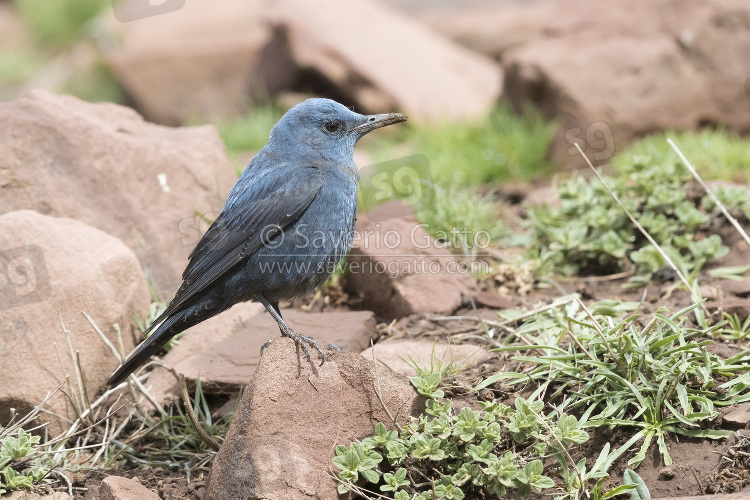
303 341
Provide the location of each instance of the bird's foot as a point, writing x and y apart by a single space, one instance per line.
303 341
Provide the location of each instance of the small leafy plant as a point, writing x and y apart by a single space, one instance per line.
14 449
588 232
459 455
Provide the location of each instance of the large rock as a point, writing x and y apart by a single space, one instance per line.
382 60
630 67
54 269
225 350
104 165
201 62
399 269
490 28
291 417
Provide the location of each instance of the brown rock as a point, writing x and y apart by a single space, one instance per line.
30 495
399 354
735 287
401 270
493 300
123 488
104 165
201 62
382 60
54 269
663 62
225 351
731 304
738 418
292 415
491 27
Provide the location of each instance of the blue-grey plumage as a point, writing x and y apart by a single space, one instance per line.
286 224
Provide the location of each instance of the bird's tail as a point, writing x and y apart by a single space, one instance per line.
173 325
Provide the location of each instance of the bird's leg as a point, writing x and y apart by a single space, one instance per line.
301 340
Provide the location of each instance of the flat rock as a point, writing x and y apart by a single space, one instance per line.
399 354
54 269
383 60
731 304
204 61
104 165
292 416
401 270
738 418
225 351
30 495
123 488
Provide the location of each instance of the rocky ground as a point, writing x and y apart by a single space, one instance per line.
101 204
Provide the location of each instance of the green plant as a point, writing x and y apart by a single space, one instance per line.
249 133
657 378
16 448
589 232
59 22
463 220
504 145
461 455
717 154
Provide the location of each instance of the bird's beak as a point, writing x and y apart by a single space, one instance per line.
376 121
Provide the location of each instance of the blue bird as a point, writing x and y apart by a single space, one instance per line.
286 224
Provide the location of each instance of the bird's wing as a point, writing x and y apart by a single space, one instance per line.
278 200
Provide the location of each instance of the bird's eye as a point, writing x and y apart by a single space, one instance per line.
331 126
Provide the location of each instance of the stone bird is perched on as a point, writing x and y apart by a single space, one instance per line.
286 224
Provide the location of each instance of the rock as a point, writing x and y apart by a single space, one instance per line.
493 300
401 270
204 61
292 415
398 354
54 269
382 60
30 495
224 351
740 288
738 418
667 473
123 488
104 165
663 61
731 304
491 28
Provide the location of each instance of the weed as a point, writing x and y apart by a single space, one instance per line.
658 378
60 22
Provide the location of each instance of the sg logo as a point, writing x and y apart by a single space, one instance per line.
132 10
23 276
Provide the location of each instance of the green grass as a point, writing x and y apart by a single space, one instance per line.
716 154
503 146
654 379
95 84
59 22
18 65
249 133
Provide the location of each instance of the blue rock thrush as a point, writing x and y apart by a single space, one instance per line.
286 224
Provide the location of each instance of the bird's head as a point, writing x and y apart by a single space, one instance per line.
326 126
